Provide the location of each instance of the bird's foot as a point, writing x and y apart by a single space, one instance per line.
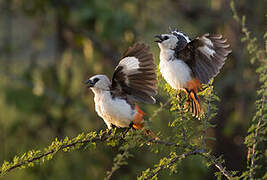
126 131
104 134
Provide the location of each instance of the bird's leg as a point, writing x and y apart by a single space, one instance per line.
196 96
188 92
187 103
108 131
126 131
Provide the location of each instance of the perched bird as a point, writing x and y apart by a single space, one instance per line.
186 64
134 80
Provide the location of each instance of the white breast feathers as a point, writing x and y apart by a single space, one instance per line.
175 71
113 111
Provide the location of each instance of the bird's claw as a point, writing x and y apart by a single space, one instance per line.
127 130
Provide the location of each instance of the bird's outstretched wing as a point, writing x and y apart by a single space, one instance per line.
135 75
205 55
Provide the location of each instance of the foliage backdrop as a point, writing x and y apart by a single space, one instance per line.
48 48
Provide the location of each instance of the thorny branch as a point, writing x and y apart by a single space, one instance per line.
117 164
219 166
182 114
105 136
165 166
201 152
253 156
259 54
101 138
205 121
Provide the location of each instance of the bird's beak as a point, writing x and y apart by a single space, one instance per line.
159 40
89 83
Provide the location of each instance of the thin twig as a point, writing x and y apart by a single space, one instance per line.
205 122
53 151
117 164
157 111
182 115
165 166
155 141
252 163
218 165
226 173
181 104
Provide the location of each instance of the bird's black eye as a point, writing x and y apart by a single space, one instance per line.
95 80
165 38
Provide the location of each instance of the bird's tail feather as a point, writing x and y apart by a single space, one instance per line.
138 123
194 104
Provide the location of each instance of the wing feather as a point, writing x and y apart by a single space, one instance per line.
207 55
135 75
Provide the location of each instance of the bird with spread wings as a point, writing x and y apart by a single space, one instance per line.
134 80
187 64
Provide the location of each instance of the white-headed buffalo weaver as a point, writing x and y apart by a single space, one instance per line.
187 64
134 80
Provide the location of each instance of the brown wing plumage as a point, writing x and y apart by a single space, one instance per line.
135 75
205 55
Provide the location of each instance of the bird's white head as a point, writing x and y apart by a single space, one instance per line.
172 40
98 83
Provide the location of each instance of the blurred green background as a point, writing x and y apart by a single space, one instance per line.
49 47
